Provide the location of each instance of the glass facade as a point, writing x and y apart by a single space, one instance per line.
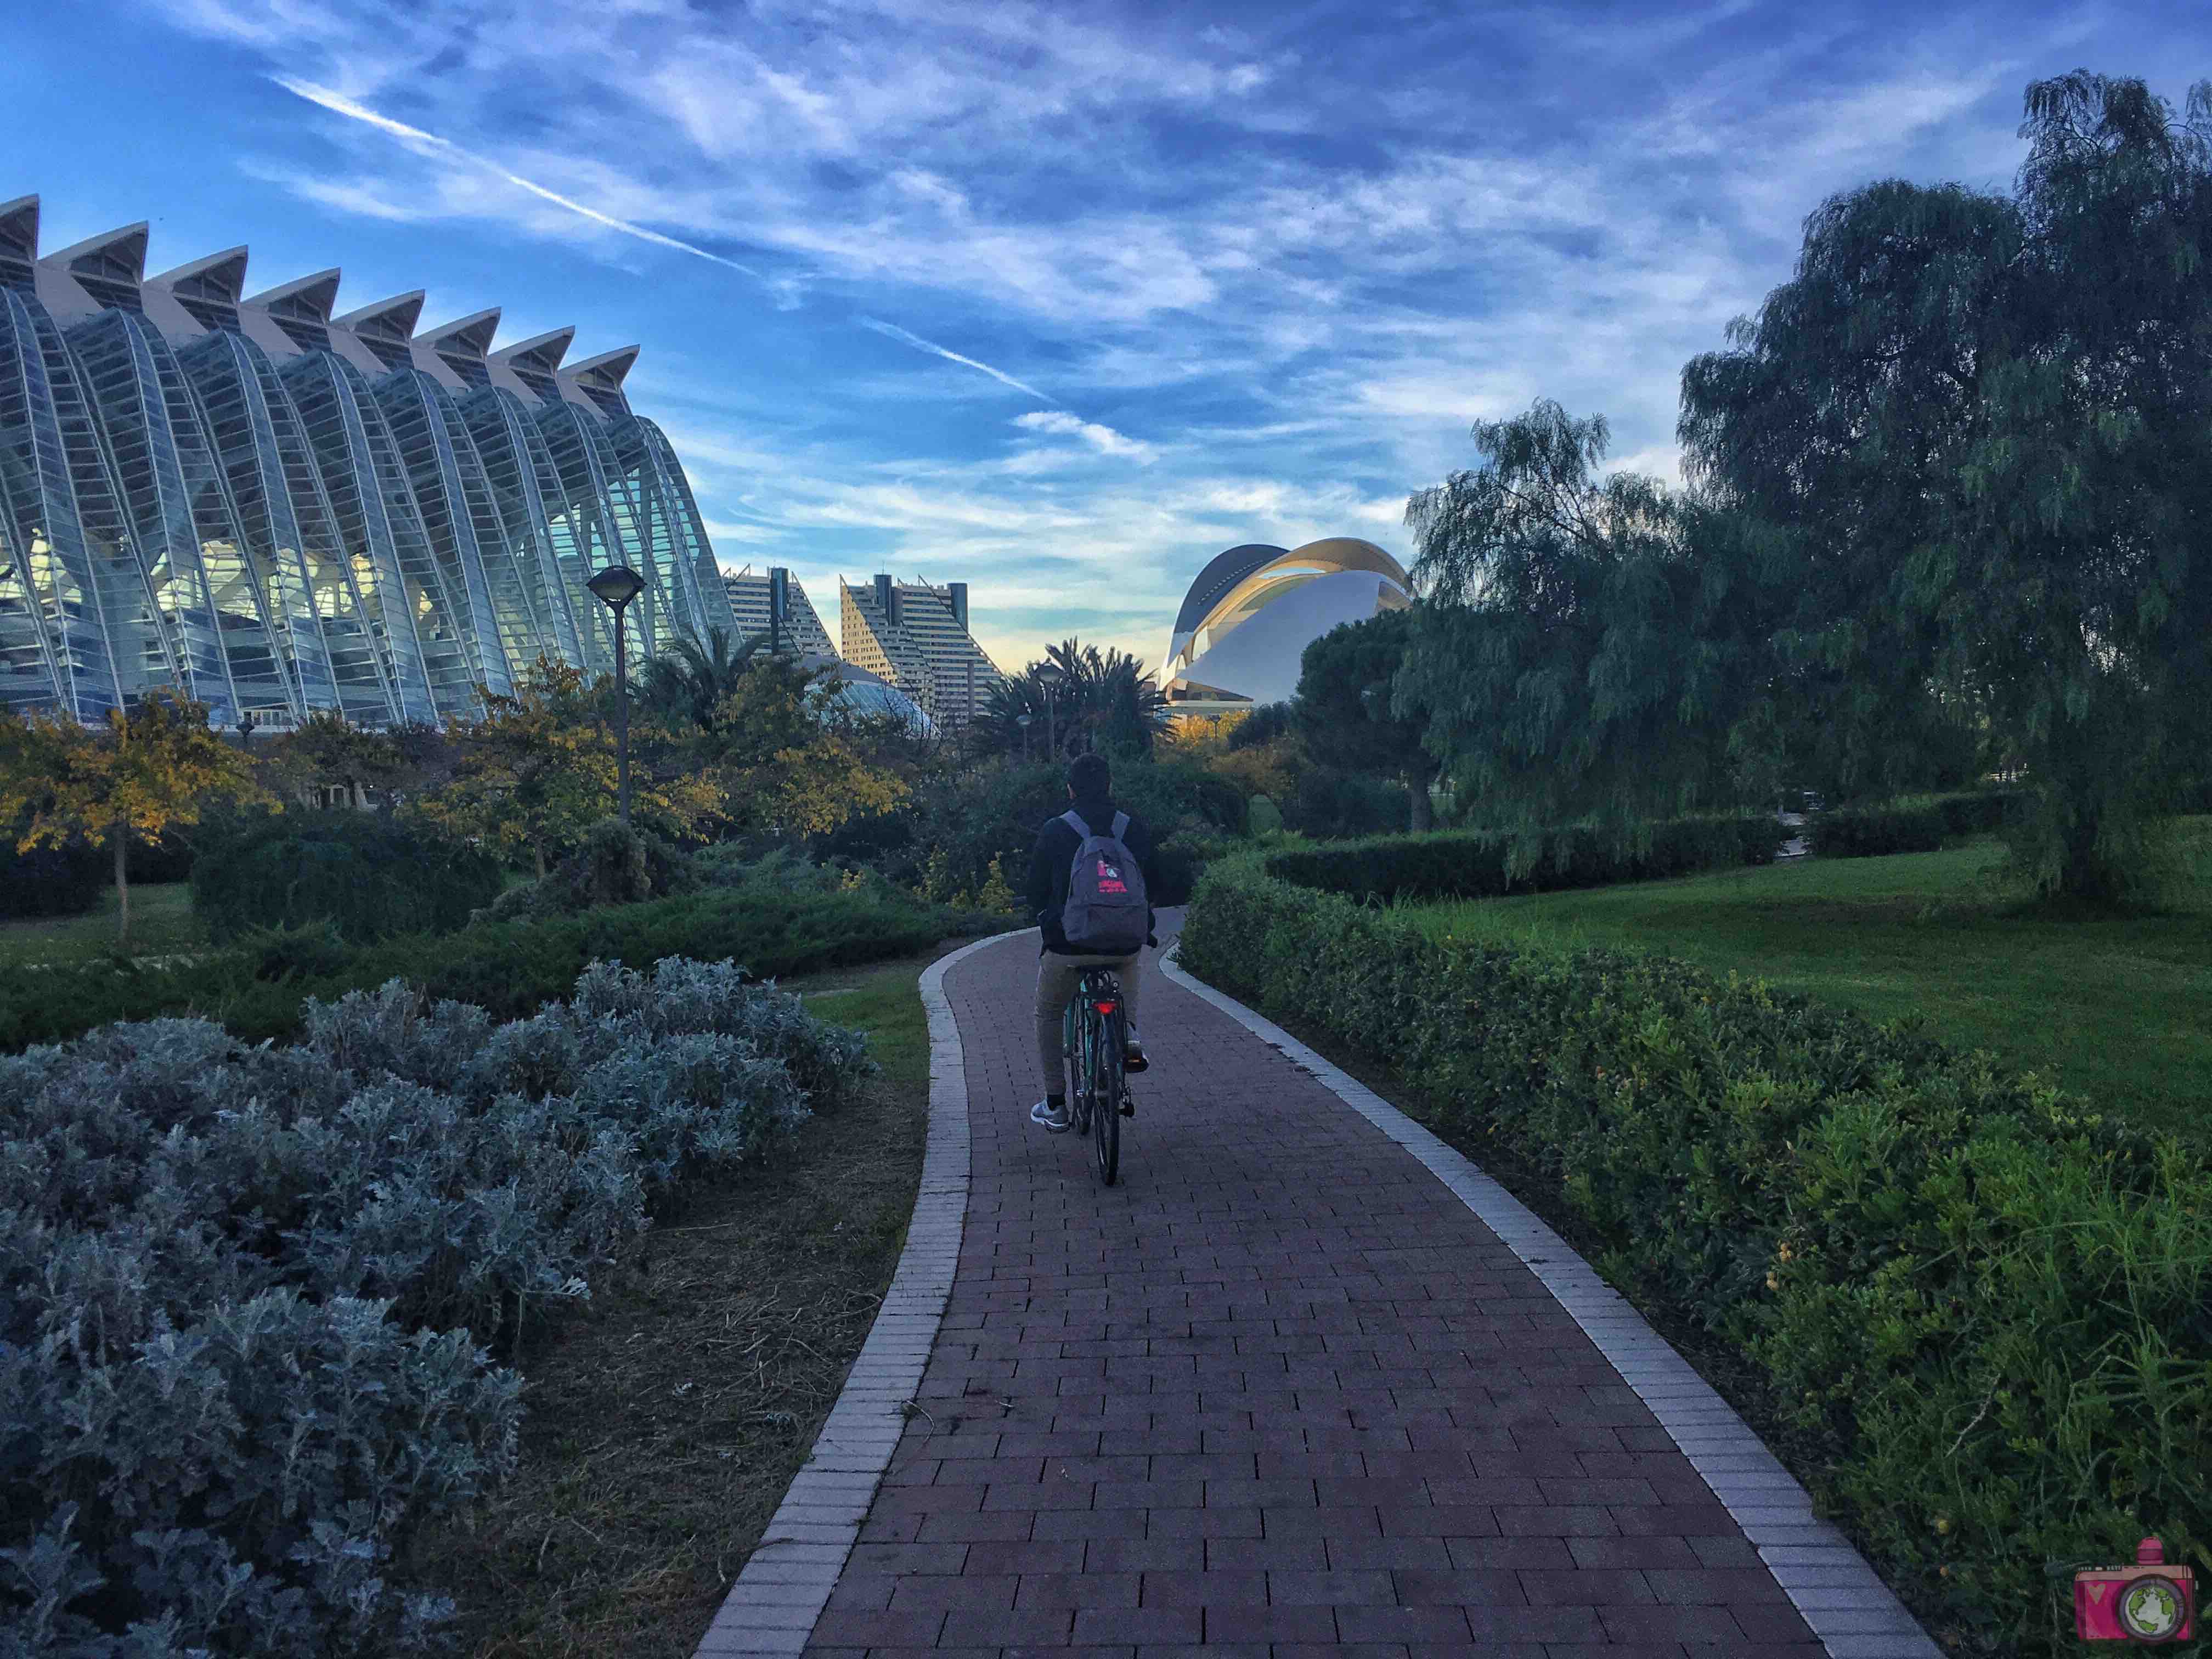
275 512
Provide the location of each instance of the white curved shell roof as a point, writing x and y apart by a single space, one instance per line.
1248 642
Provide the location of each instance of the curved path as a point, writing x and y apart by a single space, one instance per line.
1305 1379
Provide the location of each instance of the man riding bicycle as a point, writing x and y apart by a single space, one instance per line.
1060 966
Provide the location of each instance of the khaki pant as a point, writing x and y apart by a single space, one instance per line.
1057 978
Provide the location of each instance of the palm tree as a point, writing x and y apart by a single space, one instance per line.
690 679
1102 700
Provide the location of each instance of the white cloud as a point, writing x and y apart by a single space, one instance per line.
1103 438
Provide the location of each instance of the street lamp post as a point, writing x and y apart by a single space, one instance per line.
1050 675
1024 721
615 587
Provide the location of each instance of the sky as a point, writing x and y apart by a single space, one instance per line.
1058 300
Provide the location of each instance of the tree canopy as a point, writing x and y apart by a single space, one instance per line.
1577 656
1103 701
1345 708
1970 447
154 768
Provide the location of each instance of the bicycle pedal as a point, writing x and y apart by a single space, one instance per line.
1129 1107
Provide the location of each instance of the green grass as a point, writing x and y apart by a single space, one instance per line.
884 1003
161 924
2116 1010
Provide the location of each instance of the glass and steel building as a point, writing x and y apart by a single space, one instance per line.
914 637
1249 616
274 509
773 604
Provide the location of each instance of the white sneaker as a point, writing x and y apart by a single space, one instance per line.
1044 1117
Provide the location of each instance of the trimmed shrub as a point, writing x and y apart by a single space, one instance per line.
1983 1313
1473 864
247 1294
365 874
1875 833
1329 802
53 881
506 967
1921 824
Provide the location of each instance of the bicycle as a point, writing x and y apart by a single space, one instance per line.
1093 1032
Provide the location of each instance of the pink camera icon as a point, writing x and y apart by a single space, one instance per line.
2149 1601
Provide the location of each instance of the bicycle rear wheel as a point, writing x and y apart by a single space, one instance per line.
1105 1091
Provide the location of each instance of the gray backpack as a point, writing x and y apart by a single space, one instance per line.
1106 914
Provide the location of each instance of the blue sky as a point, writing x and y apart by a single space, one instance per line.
1218 273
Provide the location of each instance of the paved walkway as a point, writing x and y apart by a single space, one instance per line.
1279 1390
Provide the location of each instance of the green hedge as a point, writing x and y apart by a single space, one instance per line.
1920 825
1472 864
1982 1314
53 881
367 875
507 968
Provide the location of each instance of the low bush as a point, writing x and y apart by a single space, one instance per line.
249 1295
617 864
1476 864
369 876
1326 802
506 967
1921 824
53 881
1983 1314
1876 832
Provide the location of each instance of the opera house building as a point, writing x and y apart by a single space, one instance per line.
1252 611
276 509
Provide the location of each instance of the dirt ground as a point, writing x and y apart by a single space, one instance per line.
665 1424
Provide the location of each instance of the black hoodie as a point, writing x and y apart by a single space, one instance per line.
1053 855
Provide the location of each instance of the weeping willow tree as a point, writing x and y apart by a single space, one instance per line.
1578 655
1970 443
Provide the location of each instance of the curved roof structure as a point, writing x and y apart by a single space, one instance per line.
276 508
1253 610
859 692
1223 572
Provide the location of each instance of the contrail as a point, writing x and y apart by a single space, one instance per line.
339 104
935 350
344 106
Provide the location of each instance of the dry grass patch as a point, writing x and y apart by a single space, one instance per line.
665 1424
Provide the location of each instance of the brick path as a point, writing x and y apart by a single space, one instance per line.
1279 1390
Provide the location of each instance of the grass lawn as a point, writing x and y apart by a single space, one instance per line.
2116 1010
161 923
664 1425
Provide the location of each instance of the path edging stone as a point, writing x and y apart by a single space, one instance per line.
1854 1613
772 1608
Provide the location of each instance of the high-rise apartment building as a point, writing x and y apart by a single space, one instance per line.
274 510
772 602
916 636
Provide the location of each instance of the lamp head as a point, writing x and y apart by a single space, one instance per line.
615 586
1024 721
